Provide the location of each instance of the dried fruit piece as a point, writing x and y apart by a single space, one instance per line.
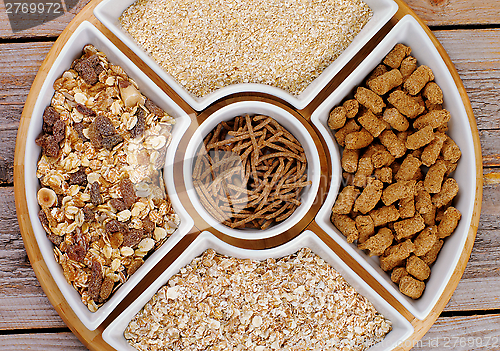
95 194
50 147
84 110
50 117
59 131
118 204
102 133
132 237
79 177
95 281
140 126
154 108
134 266
127 190
106 288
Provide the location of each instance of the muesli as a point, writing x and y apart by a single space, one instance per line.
102 196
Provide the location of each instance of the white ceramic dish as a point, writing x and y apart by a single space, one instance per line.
288 121
86 33
410 33
109 11
402 329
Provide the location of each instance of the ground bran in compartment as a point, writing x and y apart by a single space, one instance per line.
206 45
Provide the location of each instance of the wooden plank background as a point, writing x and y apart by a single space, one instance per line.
469 31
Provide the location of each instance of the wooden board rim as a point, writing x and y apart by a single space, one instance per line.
93 340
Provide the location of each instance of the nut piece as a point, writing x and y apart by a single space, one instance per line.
129 93
46 197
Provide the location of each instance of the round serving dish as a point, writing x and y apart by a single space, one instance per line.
328 159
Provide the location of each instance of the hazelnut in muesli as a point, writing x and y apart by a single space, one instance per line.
103 201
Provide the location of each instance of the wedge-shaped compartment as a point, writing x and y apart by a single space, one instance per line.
401 328
109 12
410 33
86 33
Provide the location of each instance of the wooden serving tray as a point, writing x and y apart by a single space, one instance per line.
93 339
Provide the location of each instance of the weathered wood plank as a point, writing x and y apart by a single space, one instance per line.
475 55
47 30
41 341
433 12
467 333
456 12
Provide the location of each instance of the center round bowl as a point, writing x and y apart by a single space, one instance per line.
288 121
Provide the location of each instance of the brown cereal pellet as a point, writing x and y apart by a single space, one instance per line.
418 79
384 174
430 217
406 104
349 127
369 197
409 227
337 117
434 119
449 222
346 225
433 93
384 215
411 287
396 55
425 240
365 169
395 146
423 202
431 256
408 168
417 268
397 191
385 82
407 207
365 227
420 138
382 158
349 160
345 200
358 140
351 106
370 100
450 151
431 152
449 190
371 123
434 178
395 119
397 274
377 72
396 255
408 66
378 243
